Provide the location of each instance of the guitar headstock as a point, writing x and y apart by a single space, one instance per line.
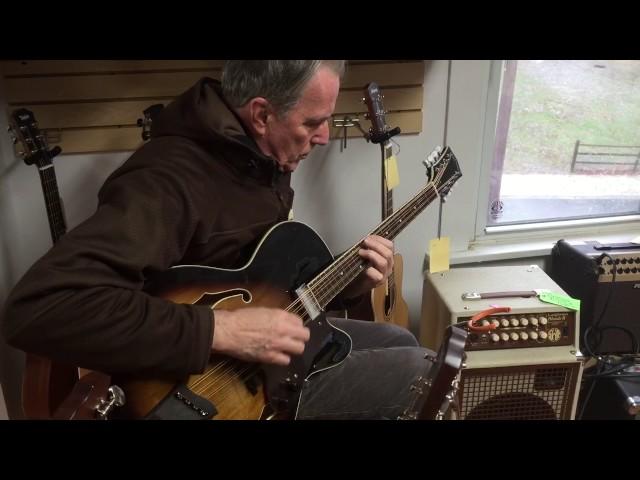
442 169
24 127
25 130
379 131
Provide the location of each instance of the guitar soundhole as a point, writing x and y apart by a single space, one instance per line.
388 305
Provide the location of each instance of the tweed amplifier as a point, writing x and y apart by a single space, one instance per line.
522 360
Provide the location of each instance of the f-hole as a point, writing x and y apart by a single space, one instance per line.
212 299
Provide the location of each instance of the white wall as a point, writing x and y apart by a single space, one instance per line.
337 193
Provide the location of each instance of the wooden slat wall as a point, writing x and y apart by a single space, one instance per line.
93 105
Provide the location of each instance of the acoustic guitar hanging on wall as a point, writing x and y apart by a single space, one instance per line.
387 304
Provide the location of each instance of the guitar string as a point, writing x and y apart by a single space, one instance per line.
48 197
352 263
50 186
232 363
297 305
421 199
47 176
52 195
299 309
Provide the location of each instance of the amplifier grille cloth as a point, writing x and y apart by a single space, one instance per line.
525 392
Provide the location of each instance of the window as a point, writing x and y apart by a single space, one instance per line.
567 142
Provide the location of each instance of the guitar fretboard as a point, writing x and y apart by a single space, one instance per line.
52 202
345 269
333 279
387 201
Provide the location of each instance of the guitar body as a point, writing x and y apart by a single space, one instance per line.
443 378
84 398
288 256
45 385
388 305
434 393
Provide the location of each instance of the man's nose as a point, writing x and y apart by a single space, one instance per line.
322 136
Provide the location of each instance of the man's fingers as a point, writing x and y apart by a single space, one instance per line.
376 260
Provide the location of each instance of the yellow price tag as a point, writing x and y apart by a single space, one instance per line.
391 171
439 254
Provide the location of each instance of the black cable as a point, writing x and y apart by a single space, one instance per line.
589 392
601 372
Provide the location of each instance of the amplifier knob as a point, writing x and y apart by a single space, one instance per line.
543 335
543 320
495 323
533 335
504 337
504 322
515 322
524 336
533 320
495 337
515 336
484 323
524 322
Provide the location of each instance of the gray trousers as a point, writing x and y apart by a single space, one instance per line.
373 381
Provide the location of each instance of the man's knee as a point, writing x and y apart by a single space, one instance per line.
399 337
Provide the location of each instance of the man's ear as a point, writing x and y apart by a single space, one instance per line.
258 110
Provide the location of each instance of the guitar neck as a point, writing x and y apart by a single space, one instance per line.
330 282
387 193
386 150
443 171
57 224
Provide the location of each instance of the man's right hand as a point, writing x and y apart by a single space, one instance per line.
258 334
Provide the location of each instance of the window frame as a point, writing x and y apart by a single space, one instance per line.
588 228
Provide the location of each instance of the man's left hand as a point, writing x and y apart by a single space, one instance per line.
378 252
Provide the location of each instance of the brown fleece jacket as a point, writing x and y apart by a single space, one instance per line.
200 193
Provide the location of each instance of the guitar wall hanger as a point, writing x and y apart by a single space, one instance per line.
347 121
149 114
385 136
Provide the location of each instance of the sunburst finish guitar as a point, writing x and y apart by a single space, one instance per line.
302 280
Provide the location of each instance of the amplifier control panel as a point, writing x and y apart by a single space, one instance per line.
522 330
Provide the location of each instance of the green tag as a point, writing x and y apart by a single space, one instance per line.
561 300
